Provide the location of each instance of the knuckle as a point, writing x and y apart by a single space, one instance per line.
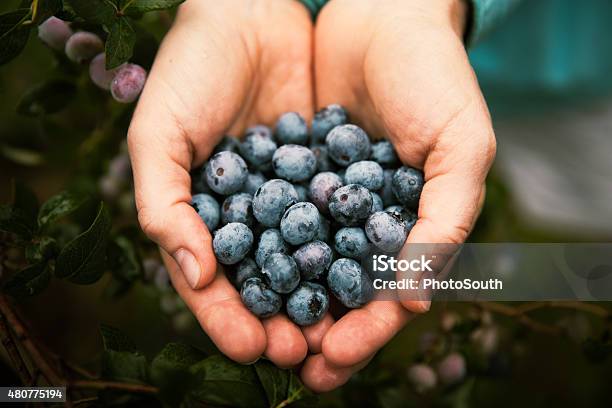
149 222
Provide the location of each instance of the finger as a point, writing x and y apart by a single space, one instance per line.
362 332
321 376
286 344
235 331
314 333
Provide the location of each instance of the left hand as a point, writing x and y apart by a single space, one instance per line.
401 70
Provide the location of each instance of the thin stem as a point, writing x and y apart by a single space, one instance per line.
113 385
13 352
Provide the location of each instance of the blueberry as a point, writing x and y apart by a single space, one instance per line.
227 144
366 173
325 120
128 82
324 163
207 208
300 223
351 242
270 242
407 185
301 191
386 231
259 298
313 259
253 182
98 73
281 273
377 203
291 128
83 46
294 163
384 154
408 217
350 205
257 149
198 181
347 144
386 192
349 283
271 201
322 186
323 232
238 208
246 269
54 32
261 130
307 304
226 173
232 243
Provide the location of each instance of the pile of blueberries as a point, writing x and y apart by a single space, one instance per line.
292 221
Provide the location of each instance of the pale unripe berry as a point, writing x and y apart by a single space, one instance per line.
98 73
449 320
451 369
120 167
161 278
128 83
183 321
110 187
149 266
54 32
485 339
422 377
83 46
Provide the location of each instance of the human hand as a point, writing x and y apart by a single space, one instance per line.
401 70
223 65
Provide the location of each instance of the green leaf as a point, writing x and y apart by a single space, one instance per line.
94 11
15 221
143 6
124 366
29 281
83 259
169 371
42 249
297 393
124 260
115 339
46 98
120 43
59 206
223 382
274 381
13 34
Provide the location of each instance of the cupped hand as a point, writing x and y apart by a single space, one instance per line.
224 65
401 70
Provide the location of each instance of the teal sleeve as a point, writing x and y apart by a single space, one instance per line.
486 15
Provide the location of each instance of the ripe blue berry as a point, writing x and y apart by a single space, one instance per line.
350 205
207 208
347 144
386 192
313 259
128 82
246 269
198 181
281 273
366 173
227 143
307 304
407 185
253 182
408 217
300 223
98 73
83 46
294 163
238 208
271 201
232 243
386 231
261 130
259 298
377 203
322 186
302 192
349 283
384 154
323 232
54 32
257 149
325 120
291 128
270 242
226 173
324 163
351 242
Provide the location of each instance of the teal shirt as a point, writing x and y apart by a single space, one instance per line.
535 55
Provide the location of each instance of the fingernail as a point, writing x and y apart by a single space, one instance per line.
189 265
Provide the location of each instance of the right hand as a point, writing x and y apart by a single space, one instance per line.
224 65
